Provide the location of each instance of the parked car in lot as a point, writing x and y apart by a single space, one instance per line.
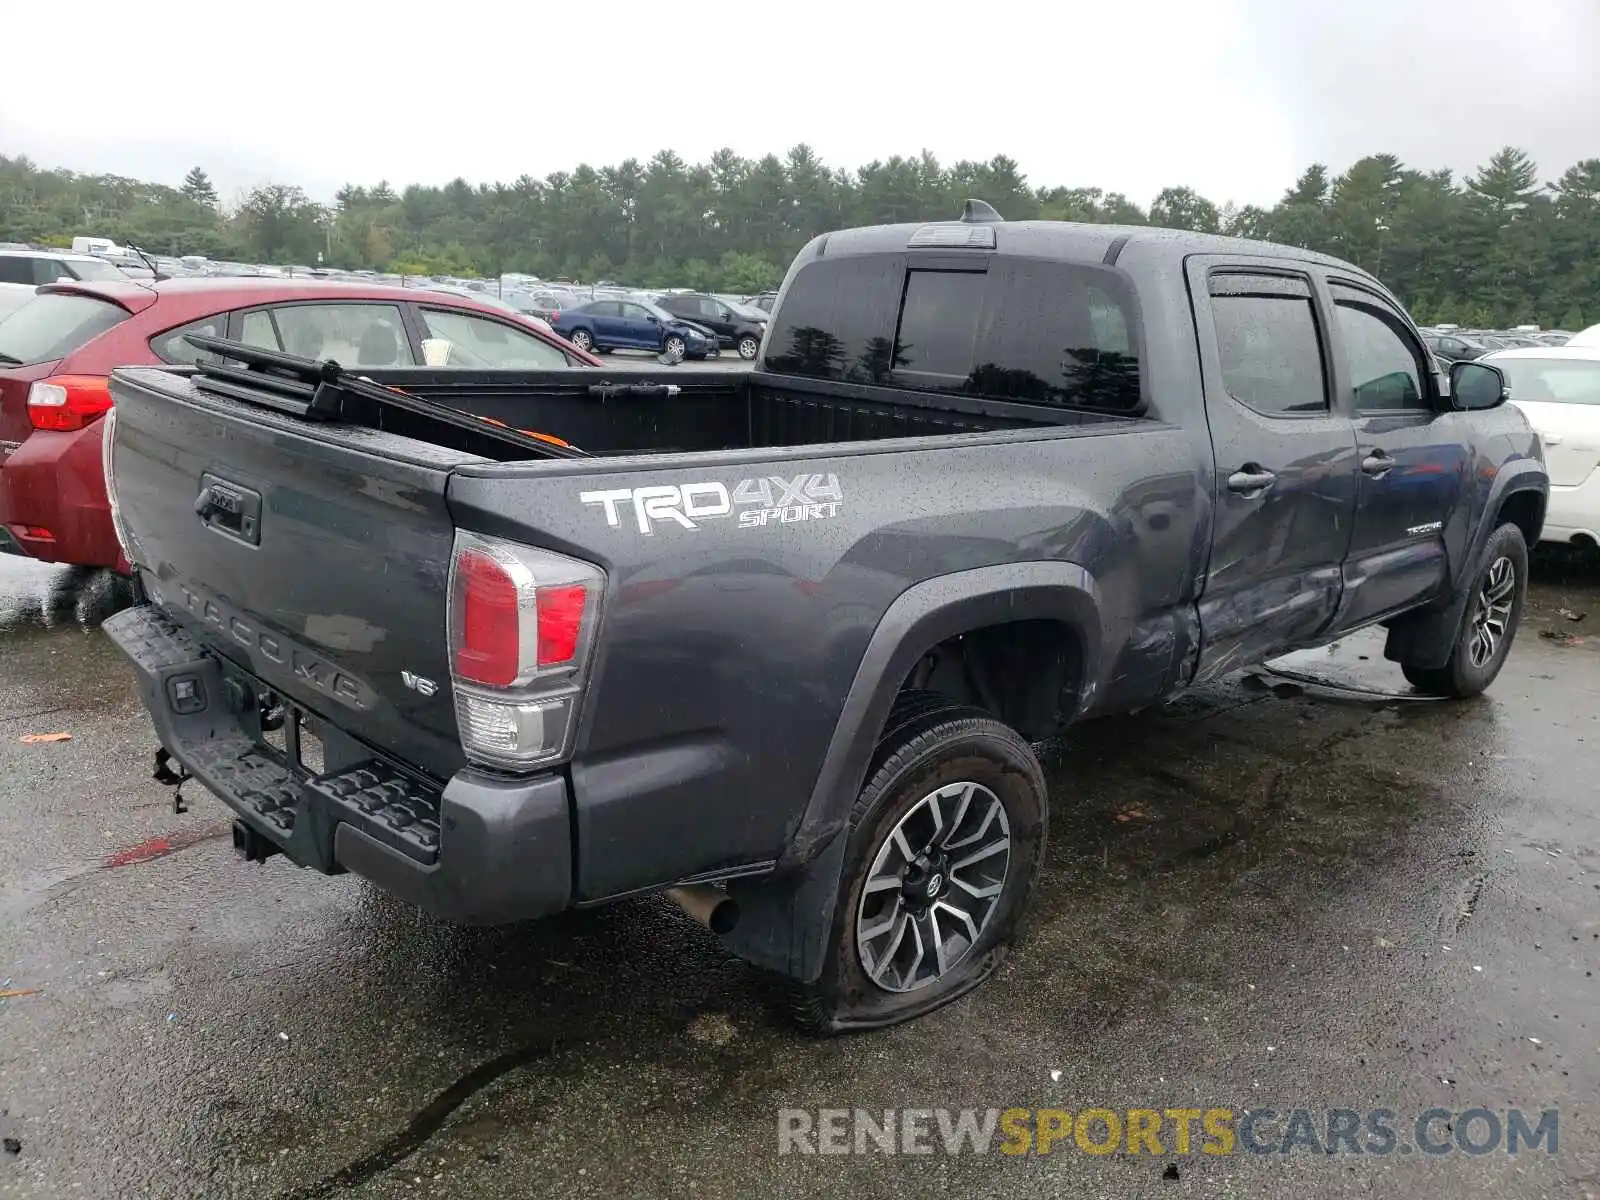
57 351
795 631
1558 387
735 329
633 324
22 271
1454 347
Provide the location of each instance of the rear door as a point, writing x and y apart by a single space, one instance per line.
1285 476
1412 456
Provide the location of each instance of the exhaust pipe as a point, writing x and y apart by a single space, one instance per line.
712 907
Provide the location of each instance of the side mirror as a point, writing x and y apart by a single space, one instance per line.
653 319
1476 386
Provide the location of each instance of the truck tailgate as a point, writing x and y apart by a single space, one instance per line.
314 557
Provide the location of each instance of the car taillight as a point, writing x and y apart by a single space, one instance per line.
521 629
68 402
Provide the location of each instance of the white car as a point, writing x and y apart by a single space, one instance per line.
1558 387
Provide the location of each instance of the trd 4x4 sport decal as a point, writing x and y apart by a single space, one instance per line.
769 500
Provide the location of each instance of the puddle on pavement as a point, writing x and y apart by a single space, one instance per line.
40 596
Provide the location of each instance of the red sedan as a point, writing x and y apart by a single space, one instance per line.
58 350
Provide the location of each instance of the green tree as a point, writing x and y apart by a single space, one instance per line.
197 187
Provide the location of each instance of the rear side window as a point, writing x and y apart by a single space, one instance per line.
1268 344
357 334
170 347
16 269
838 321
54 325
1024 330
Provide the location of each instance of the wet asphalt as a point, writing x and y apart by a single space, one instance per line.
1273 894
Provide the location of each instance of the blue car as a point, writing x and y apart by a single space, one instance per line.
603 325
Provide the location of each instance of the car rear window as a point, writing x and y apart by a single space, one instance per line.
93 269
53 325
1022 330
1551 380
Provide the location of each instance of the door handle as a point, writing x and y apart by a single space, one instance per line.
1377 464
1251 479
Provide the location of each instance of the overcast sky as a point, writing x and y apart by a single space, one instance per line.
1231 97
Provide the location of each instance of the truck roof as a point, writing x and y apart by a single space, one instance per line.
1072 241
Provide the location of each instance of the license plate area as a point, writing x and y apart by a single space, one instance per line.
293 736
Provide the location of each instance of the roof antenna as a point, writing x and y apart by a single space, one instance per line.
977 212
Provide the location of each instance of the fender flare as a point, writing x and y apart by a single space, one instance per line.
919 619
786 918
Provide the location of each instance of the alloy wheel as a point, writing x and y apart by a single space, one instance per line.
934 884
1492 615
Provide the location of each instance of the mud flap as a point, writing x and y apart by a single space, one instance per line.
785 922
1426 638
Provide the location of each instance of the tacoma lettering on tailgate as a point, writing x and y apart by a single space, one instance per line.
266 648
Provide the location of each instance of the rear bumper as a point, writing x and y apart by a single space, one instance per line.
483 850
1573 512
53 499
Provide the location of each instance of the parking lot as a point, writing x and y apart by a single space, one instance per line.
1273 894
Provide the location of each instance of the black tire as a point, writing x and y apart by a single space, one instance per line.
928 743
673 340
749 346
582 339
1468 671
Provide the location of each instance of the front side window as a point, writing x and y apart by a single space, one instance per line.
474 341
1268 344
1386 372
16 269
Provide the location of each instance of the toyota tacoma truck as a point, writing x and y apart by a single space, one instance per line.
779 643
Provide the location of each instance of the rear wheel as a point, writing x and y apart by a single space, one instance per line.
582 339
1489 624
944 843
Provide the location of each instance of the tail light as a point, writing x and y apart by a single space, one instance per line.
522 625
68 402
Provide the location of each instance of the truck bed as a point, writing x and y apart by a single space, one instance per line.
712 410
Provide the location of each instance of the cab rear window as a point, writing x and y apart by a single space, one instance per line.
1015 329
53 325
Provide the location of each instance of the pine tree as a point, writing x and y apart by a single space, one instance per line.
197 186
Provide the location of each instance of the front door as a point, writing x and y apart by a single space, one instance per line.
1412 458
642 329
1285 472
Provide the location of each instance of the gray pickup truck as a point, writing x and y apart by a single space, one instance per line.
778 644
